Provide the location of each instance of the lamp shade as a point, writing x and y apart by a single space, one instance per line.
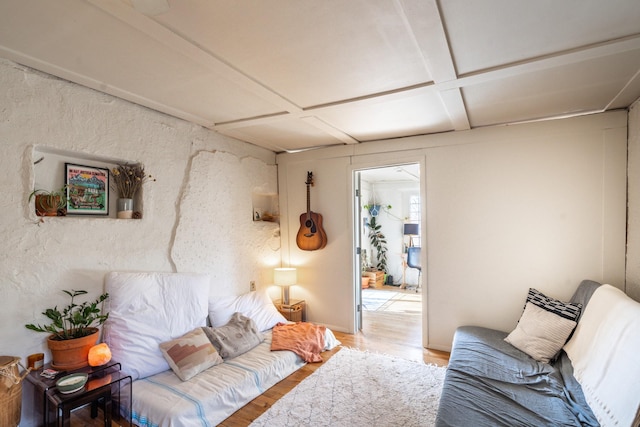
411 229
285 276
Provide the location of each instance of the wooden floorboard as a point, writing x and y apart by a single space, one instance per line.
396 333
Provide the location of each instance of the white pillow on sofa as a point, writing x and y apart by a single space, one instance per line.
255 305
146 309
540 333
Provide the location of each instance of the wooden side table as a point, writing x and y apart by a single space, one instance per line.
295 311
102 388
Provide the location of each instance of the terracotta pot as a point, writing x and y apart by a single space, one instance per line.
365 282
71 354
47 205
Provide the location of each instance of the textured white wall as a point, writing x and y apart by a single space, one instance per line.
197 215
506 208
216 233
633 231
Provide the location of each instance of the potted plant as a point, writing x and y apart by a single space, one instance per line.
73 331
50 203
375 208
379 241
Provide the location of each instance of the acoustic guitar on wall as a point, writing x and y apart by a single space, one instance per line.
311 236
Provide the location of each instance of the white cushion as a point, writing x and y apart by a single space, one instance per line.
540 333
255 305
146 309
604 353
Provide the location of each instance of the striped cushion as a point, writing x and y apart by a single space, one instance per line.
570 311
190 354
540 333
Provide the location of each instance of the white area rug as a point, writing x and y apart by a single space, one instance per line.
356 388
372 299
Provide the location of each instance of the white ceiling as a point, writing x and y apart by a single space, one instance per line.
409 173
296 74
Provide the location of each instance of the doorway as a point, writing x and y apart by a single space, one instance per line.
388 215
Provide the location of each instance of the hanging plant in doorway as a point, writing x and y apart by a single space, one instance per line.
379 241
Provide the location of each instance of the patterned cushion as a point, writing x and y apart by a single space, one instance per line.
570 311
236 337
190 354
540 333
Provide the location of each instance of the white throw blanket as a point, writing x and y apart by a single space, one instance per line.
604 353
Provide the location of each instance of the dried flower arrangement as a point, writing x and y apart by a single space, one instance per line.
128 179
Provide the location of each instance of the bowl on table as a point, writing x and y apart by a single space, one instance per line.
72 383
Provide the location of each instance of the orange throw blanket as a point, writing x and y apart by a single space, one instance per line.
304 339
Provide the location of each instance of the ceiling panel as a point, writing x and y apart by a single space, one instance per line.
399 173
313 52
292 75
411 114
489 33
580 87
283 135
116 55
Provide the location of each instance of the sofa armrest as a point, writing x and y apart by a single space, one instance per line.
583 294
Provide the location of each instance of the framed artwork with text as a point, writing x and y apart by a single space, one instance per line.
87 190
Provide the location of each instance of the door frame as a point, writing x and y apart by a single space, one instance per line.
356 234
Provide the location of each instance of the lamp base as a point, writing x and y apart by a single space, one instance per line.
284 296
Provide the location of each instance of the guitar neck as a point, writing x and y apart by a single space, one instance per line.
308 202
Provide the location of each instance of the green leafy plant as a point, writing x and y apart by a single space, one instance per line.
75 320
50 203
379 241
375 208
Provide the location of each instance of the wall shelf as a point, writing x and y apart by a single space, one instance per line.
265 207
49 173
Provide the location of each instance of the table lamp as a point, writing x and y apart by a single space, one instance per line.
411 230
99 354
285 277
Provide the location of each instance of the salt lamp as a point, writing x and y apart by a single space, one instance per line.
99 354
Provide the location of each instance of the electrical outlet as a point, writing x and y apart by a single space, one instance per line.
252 285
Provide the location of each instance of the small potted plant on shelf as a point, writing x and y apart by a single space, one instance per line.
128 179
73 330
50 203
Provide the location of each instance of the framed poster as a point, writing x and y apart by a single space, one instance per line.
87 190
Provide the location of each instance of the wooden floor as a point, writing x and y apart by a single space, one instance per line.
389 332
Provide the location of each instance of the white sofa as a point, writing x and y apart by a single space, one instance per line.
149 309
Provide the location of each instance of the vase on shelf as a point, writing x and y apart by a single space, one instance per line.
125 208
